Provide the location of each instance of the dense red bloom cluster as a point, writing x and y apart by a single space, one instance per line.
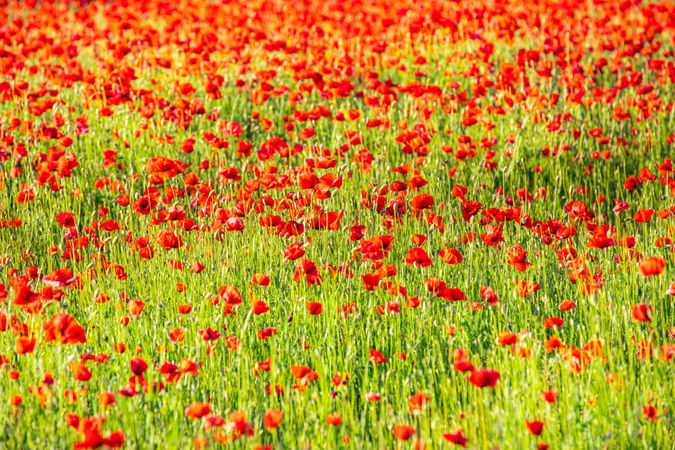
259 219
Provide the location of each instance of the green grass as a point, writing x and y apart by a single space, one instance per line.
590 411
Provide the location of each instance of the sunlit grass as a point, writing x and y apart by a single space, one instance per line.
605 382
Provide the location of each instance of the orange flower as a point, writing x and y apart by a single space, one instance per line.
25 344
260 307
136 307
451 256
177 335
230 294
197 410
507 338
566 305
65 329
642 313
416 403
652 266
334 420
261 279
643 215
403 432
553 322
273 418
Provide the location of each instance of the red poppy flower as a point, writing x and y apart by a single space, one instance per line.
334 420
314 308
272 419
60 278
451 256
169 240
650 412
197 410
64 329
25 344
417 257
553 322
403 432
260 307
643 215
652 266
507 338
456 438
566 305
417 402
230 294
377 357
484 378
518 258
489 295
422 201
261 279
66 219
536 427
550 396
642 313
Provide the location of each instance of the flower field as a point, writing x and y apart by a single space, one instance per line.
355 224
